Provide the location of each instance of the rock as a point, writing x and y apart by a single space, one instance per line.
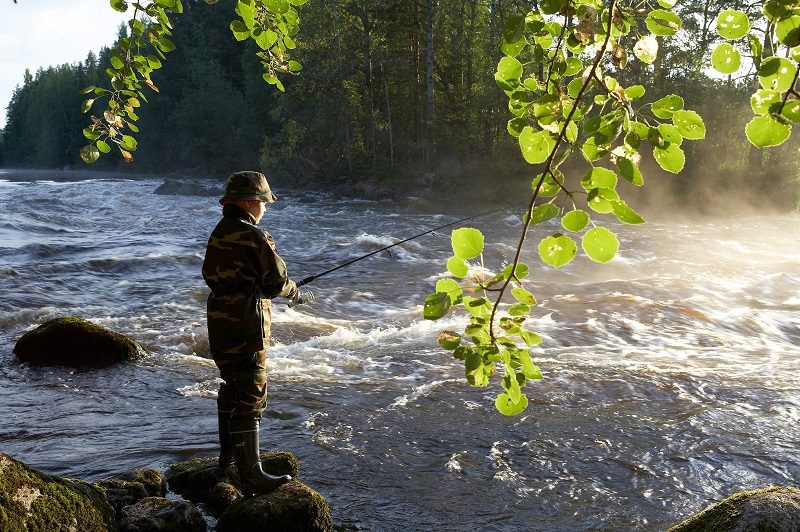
195 479
32 501
177 187
775 509
76 342
291 507
132 486
222 495
157 514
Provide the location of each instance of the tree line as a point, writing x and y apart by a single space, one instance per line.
389 90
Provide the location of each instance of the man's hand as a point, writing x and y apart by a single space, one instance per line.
301 298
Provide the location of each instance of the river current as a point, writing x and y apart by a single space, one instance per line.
671 373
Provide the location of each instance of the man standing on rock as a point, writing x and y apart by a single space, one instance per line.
244 272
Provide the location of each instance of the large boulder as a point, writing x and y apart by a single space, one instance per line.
293 507
132 486
179 187
194 479
157 514
773 509
31 501
75 342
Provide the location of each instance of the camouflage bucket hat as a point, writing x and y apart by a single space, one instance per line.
248 186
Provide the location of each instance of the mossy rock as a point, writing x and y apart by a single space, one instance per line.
221 496
157 514
132 486
293 507
194 479
76 342
31 501
773 509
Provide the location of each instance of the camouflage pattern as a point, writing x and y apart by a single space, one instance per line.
244 272
244 392
248 186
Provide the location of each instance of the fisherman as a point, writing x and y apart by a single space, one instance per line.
244 272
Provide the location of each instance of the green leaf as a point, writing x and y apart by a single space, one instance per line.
89 153
507 406
602 200
646 49
630 171
599 177
478 307
436 306
449 287
625 214
575 220
116 62
787 30
765 131
277 6
662 22
86 105
166 45
90 134
516 125
103 147
777 73
240 30
514 29
523 296
634 92
557 250
520 272
732 24
791 111
600 244
543 213
689 124
519 309
726 59
121 6
128 143
551 7
536 145
670 133
593 150
671 158
574 66
457 267
467 242
667 4
666 106
765 102
531 339
508 70
294 66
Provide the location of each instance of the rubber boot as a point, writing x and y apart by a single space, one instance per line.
244 433
226 455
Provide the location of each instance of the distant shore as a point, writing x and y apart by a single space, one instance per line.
68 174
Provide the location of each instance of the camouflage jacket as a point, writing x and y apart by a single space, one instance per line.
244 272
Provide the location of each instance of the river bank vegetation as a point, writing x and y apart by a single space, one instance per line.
392 93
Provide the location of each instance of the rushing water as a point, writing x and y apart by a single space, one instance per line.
671 373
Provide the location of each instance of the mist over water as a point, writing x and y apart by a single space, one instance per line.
671 373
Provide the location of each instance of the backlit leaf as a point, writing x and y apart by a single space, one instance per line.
507 406
765 131
575 220
436 306
557 250
467 242
732 24
689 124
726 59
671 158
600 244
457 267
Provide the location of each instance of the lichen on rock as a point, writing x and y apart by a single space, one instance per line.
32 501
773 509
76 342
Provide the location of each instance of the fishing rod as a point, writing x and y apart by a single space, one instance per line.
348 263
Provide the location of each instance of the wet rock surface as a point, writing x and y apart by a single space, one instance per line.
157 514
76 342
132 486
773 509
32 501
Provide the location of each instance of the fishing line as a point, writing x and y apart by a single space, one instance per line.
311 278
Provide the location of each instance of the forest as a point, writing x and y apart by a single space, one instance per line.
390 91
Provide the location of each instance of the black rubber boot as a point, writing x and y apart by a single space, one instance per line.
226 455
244 433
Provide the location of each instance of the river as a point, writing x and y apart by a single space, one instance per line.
672 373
